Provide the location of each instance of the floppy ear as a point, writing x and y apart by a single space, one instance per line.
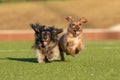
83 20
59 31
34 27
69 19
40 26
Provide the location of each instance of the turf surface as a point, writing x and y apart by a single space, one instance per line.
100 60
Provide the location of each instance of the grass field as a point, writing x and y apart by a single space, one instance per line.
100 14
100 60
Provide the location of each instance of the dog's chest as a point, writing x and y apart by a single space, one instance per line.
74 41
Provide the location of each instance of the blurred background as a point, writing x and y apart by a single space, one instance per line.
19 14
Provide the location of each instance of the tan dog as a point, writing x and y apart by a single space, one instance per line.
72 41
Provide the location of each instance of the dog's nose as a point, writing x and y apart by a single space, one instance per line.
78 27
45 38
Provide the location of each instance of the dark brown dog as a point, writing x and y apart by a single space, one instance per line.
72 41
46 42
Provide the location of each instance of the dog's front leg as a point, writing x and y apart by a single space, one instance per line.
55 53
81 46
40 56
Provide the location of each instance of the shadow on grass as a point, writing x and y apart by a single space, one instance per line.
34 60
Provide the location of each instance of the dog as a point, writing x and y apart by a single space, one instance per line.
46 42
72 41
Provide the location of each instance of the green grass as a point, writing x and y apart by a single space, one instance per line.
100 60
100 14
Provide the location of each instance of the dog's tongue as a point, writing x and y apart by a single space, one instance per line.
45 43
77 32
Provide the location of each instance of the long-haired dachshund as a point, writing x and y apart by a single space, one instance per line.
46 42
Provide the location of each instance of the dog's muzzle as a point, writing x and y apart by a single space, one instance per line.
77 32
45 43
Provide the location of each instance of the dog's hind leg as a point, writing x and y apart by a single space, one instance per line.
62 55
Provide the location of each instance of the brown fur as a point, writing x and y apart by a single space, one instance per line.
72 41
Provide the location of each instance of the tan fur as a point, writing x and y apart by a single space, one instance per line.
41 55
71 43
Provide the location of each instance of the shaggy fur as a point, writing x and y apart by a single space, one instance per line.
72 41
46 42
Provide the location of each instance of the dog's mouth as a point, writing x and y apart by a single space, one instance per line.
77 32
45 43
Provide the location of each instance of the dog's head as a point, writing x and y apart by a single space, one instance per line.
75 25
42 35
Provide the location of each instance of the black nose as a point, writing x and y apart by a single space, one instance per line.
77 27
45 37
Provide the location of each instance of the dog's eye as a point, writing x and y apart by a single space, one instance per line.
73 24
43 33
79 24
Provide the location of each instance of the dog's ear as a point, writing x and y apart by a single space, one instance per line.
34 27
69 19
83 20
59 31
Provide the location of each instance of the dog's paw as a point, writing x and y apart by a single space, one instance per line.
62 60
50 57
41 61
